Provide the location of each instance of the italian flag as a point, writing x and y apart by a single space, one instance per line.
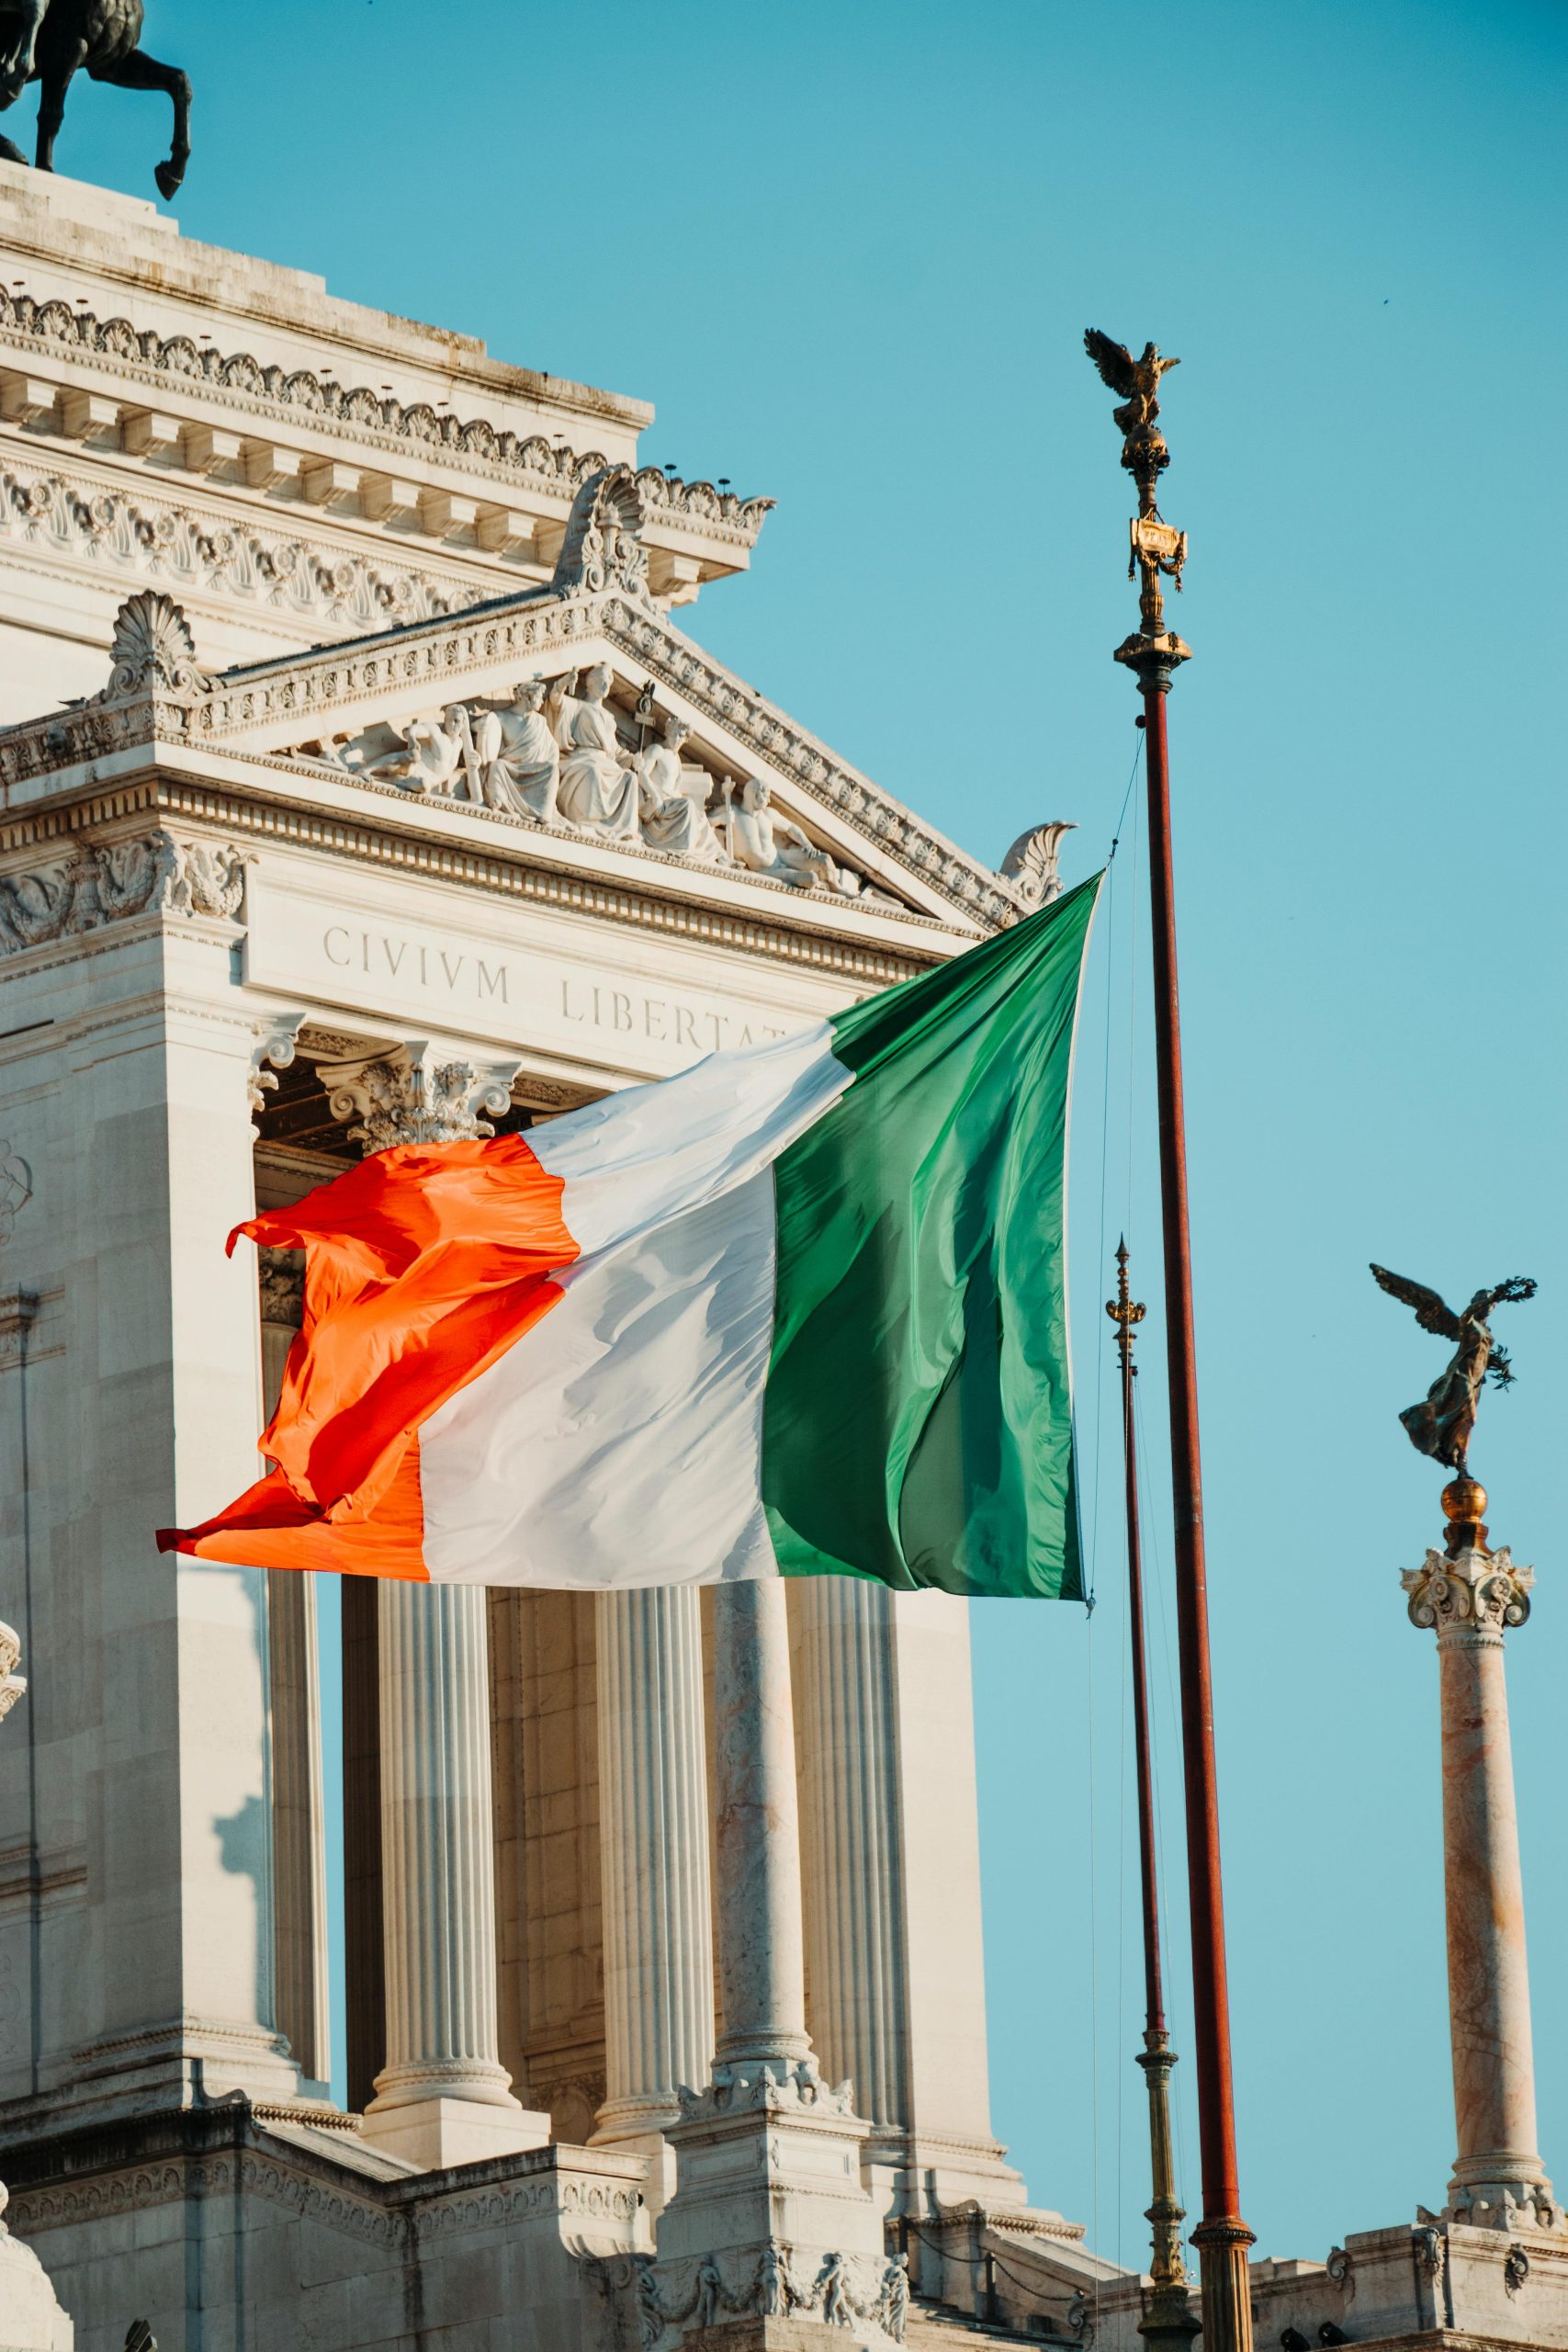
798 1311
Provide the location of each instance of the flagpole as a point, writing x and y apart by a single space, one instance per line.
1170 2323
1154 654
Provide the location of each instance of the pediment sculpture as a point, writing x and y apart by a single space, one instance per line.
562 754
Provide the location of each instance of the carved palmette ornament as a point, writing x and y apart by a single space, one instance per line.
1032 864
153 651
603 547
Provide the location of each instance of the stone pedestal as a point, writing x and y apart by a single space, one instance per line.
442 2097
1468 1596
769 2222
654 1827
30 2316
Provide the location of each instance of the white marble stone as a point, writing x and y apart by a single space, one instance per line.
442 2097
659 2022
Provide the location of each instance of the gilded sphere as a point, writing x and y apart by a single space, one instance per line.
1464 1498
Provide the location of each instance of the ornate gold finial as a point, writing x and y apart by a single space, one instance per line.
1124 1311
1464 1508
1156 547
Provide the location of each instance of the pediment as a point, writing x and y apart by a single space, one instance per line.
717 779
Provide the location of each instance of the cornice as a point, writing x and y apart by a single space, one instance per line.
360 415
234 814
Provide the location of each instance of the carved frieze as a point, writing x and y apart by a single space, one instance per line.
841 2290
152 874
363 414
280 572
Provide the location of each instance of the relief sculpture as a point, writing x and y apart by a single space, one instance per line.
562 752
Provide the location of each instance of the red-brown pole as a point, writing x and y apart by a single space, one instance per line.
1222 2237
1153 653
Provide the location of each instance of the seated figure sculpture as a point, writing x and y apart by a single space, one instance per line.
516 761
598 790
431 755
771 845
671 817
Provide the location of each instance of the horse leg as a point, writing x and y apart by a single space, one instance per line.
140 72
53 82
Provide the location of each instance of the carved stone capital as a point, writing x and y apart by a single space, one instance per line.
1478 1593
410 1096
12 1685
281 1283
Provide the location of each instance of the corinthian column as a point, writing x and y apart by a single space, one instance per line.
1469 1595
891 1850
442 2097
769 2213
654 1838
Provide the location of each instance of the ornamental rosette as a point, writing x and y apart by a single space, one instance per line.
1478 1592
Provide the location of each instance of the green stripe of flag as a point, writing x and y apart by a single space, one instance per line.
917 1424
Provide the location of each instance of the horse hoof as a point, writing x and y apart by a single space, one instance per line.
168 178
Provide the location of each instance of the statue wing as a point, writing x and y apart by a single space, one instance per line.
1430 1311
1115 362
1518 1288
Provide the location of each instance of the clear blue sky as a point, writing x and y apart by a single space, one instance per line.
850 253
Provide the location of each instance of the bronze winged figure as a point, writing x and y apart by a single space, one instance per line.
1441 1424
1136 381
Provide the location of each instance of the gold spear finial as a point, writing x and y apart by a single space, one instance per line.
1124 1310
1156 548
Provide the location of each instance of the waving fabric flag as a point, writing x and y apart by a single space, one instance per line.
799 1311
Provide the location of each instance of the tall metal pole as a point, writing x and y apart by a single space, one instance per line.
1169 2324
1154 654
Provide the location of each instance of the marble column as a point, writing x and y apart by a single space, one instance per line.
299 1826
659 2022
1469 1594
891 1850
442 2097
770 2217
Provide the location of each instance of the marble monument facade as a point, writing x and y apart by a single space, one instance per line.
360 784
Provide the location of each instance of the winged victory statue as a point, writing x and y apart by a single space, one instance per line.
1441 1423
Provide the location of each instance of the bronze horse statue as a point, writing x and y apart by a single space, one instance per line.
49 40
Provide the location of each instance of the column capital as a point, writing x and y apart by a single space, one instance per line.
1472 1595
414 1094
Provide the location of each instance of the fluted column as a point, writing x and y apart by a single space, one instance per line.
654 1836
891 1853
769 2214
294 1681
854 1876
442 2097
1469 1595
762 1943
